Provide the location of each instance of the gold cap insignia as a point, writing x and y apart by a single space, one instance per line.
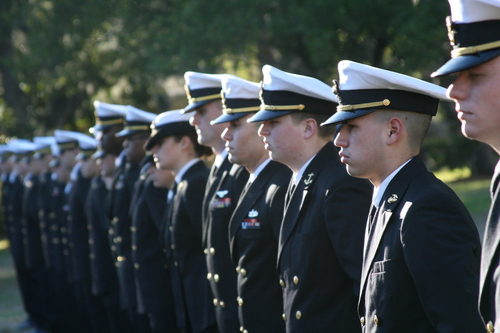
451 32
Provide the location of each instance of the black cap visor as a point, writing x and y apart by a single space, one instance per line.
461 63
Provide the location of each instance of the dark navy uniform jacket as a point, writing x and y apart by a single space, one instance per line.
102 264
254 234
56 223
421 259
154 294
14 205
77 229
320 248
489 300
45 193
33 241
185 229
120 234
221 197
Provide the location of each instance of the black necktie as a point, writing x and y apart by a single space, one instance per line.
371 217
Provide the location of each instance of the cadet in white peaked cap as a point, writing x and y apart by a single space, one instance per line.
259 211
107 115
474 32
175 147
421 247
201 89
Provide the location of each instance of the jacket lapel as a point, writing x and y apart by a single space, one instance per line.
305 185
253 194
215 185
392 198
491 234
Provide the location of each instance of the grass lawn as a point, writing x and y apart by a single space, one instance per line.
11 310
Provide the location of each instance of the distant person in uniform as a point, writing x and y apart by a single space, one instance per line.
175 148
422 249
256 221
223 189
474 32
135 133
321 237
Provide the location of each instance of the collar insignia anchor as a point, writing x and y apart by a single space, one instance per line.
308 181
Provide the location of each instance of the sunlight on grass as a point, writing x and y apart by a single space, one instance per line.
4 244
448 176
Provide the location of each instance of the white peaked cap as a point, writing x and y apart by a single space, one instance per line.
235 87
284 93
201 89
136 120
363 89
275 79
104 110
197 80
137 115
354 76
108 115
169 117
169 123
21 146
240 97
87 142
467 11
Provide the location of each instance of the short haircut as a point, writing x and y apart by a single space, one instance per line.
417 125
324 132
198 149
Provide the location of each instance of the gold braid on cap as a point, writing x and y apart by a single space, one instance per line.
351 107
474 49
192 100
282 107
240 110
109 122
226 110
137 128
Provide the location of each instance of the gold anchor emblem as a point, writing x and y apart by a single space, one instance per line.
308 181
393 198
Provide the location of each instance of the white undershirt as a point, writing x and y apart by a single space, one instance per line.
378 192
296 176
255 174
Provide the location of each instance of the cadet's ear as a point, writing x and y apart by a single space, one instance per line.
185 142
395 128
310 127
